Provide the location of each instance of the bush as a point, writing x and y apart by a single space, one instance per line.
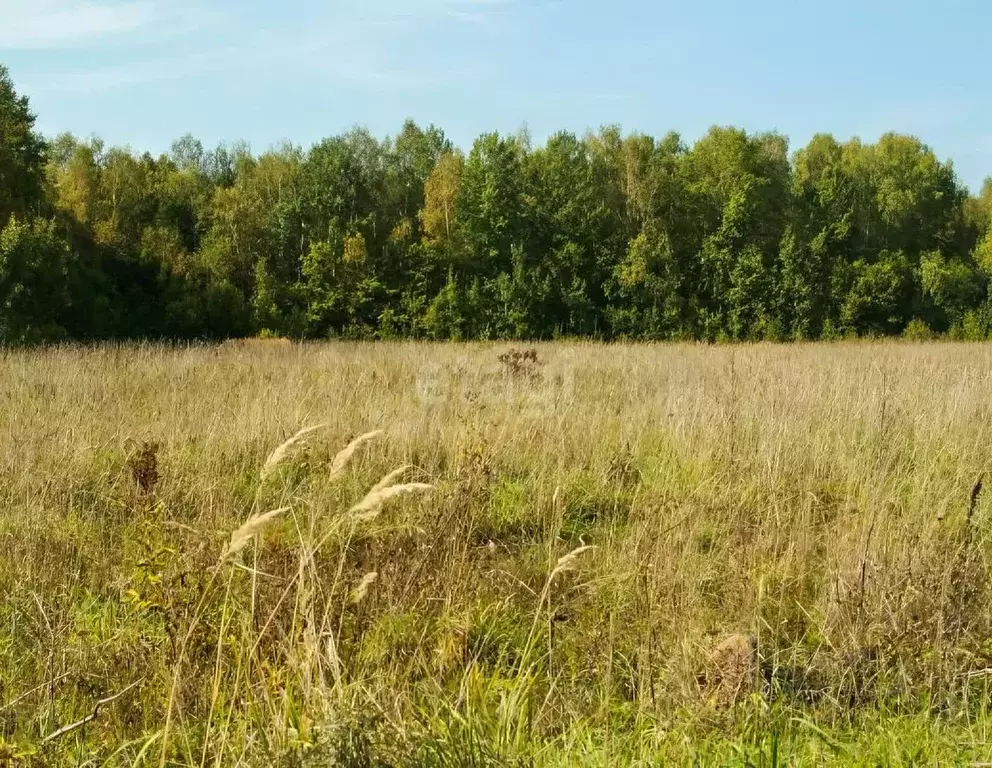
917 330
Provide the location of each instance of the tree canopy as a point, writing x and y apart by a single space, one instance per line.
604 235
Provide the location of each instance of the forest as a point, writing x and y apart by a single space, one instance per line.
609 235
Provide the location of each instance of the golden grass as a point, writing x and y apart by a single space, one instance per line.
369 507
283 450
359 592
816 498
244 535
341 460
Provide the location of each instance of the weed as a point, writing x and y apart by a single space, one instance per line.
144 467
521 363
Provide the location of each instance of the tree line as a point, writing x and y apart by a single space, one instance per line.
606 235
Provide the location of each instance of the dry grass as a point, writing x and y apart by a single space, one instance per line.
591 538
283 451
244 535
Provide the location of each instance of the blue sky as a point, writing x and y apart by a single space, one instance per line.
142 72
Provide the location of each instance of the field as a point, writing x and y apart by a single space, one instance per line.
751 555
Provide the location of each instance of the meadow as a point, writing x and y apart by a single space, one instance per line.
570 554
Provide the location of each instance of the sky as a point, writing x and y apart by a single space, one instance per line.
143 72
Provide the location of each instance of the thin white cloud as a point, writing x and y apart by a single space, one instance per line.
469 16
473 10
65 23
475 3
355 46
347 57
415 6
336 58
135 73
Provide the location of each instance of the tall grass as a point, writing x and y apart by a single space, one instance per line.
610 555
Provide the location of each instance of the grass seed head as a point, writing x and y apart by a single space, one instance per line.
243 535
369 507
340 462
567 562
280 453
391 478
359 592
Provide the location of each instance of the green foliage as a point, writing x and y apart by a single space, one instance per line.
606 236
879 295
950 288
443 318
34 282
917 330
22 153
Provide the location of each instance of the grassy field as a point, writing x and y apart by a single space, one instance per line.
642 555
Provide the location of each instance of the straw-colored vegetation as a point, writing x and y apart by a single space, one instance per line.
606 555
